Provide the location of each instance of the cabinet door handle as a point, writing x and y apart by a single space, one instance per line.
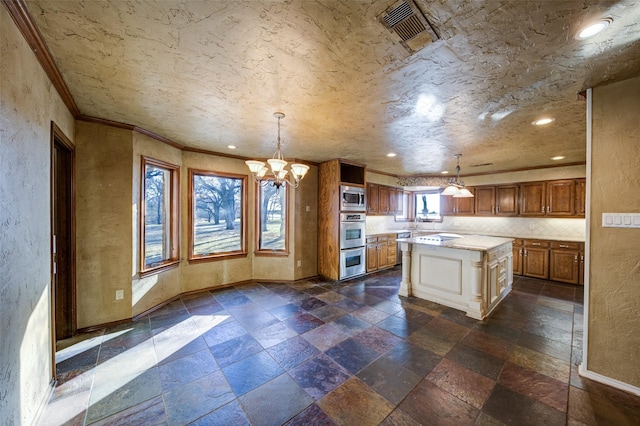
497 209
575 259
535 244
520 252
542 209
564 246
525 253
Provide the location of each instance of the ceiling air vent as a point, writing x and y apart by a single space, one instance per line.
407 21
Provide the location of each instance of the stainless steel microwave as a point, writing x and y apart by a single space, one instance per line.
352 198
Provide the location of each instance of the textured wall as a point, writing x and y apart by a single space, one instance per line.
28 104
152 290
103 223
196 276
306 226
614 273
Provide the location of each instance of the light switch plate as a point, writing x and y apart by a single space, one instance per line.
621 220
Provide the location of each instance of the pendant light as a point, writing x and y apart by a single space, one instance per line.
456 187
278 176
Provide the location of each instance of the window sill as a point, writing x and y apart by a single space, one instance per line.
160 268
217 257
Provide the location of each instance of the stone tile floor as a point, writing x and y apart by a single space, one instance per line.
320 353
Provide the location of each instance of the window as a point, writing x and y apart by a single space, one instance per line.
427 204
217 215
272 224
160 243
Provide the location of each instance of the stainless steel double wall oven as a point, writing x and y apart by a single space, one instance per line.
352 233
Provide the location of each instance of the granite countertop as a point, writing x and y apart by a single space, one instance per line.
458 241
435 231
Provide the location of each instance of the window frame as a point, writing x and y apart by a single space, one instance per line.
196 258
173 221
414 210
258 234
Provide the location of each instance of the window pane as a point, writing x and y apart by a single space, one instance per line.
157 236
272 212
217 214
428 205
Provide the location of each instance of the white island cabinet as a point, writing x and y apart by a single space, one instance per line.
471 273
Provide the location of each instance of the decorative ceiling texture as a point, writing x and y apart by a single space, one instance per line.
208 74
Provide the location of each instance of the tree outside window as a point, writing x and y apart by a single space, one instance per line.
217 214
427 204
272 221
159 221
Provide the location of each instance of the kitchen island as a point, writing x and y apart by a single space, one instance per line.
471 273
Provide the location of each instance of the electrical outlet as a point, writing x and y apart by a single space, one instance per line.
308 210
299 263
119 294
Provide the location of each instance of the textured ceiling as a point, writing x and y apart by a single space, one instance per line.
207 74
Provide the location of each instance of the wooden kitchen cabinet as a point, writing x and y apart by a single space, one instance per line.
457 206
393 201
485 198
372 198
556 198
518 251
565 262
581 185
535 262
378 252
383 200
501 200
561 197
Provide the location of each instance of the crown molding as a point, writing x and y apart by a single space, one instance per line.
20 14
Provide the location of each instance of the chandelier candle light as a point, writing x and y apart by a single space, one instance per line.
277 163
456 186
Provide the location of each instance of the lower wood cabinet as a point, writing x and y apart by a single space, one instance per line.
565 262
561 261
536 259
518 252
378 254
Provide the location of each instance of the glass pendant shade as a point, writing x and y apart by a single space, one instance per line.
451 190
463 193
276 165
299 170
254 166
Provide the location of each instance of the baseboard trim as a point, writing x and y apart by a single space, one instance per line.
44 402
608 381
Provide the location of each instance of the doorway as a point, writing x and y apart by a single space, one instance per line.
63 291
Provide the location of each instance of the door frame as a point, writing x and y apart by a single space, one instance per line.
59 138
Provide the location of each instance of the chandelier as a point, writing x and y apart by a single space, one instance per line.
456 186
278 176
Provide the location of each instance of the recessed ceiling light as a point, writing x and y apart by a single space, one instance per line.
543 121
391 154
593 29
444 172
559 157
231 146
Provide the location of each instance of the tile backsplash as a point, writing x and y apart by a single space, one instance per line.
525 227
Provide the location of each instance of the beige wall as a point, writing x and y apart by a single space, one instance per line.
614 273
150 291
103 223
306 226
28 105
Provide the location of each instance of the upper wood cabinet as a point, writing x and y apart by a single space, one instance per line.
384 200
580 197
485 198
457 206
496 200
555 198
372 198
